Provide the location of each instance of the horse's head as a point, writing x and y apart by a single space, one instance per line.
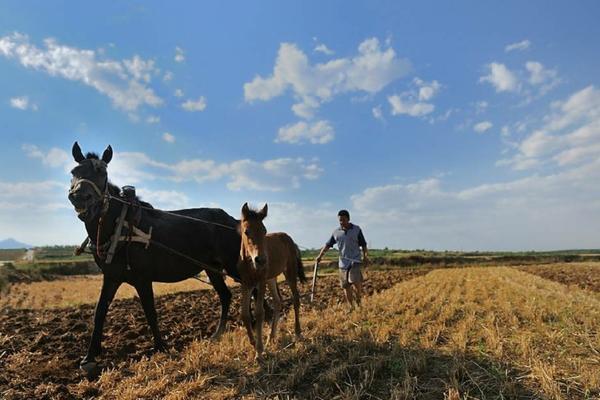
89 183
253 233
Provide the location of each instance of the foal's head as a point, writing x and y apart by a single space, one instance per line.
253 233
89 182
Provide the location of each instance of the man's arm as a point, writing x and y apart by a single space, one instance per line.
363 244
323 251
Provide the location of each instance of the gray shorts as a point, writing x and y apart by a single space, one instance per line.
350 276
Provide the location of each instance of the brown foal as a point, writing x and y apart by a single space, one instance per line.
262 258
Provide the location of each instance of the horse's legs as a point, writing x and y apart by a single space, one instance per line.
225 296
296 299
246 316
144 290
260 318
109 289
276 308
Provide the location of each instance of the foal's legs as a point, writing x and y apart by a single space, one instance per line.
276 308
109 289
144 289
296 299
246 316
225 296
260 318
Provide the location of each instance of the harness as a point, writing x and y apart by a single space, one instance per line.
132 208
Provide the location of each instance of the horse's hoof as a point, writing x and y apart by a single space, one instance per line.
91 369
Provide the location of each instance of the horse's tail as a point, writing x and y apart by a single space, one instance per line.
301 274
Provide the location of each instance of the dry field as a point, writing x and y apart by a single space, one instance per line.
75 290
464 333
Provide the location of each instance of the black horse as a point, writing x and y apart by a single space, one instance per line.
212 245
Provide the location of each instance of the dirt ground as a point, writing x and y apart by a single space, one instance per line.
40 349
582 275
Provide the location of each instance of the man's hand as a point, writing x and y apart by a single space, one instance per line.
318 259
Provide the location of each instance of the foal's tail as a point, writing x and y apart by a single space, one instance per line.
301 274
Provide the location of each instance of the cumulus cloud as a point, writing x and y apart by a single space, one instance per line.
377 112
168 76
164 199
569 135
271 175
499 76
414 102
169 138
369 71
194 105
33 196
178 93
518 46
541 76
55 157
482 126
153 119
124 82
321 48
22 103
512 215
319 132
179 55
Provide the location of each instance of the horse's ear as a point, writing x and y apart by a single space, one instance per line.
245 210
77 154
107 155
263 213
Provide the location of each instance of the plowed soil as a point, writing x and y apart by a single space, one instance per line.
40 350
582 275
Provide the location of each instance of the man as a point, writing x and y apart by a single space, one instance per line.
350 239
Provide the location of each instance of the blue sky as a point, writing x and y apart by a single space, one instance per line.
461 125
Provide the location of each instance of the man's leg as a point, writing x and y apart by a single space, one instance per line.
349 296
344 275
358 290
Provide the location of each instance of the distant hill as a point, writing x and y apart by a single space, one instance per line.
13 244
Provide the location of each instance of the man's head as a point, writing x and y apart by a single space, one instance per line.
344 218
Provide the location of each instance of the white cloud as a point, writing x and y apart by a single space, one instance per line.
319 132
482 126
427 90
164 199
168 76
541 76
22 103
501 78
520 46
153 119
178 93
481 106
169 138
124 82
512 215
194 105
55 157
414 102
378 112
403 104
179 55
568 136
271 175
369 71
321 48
